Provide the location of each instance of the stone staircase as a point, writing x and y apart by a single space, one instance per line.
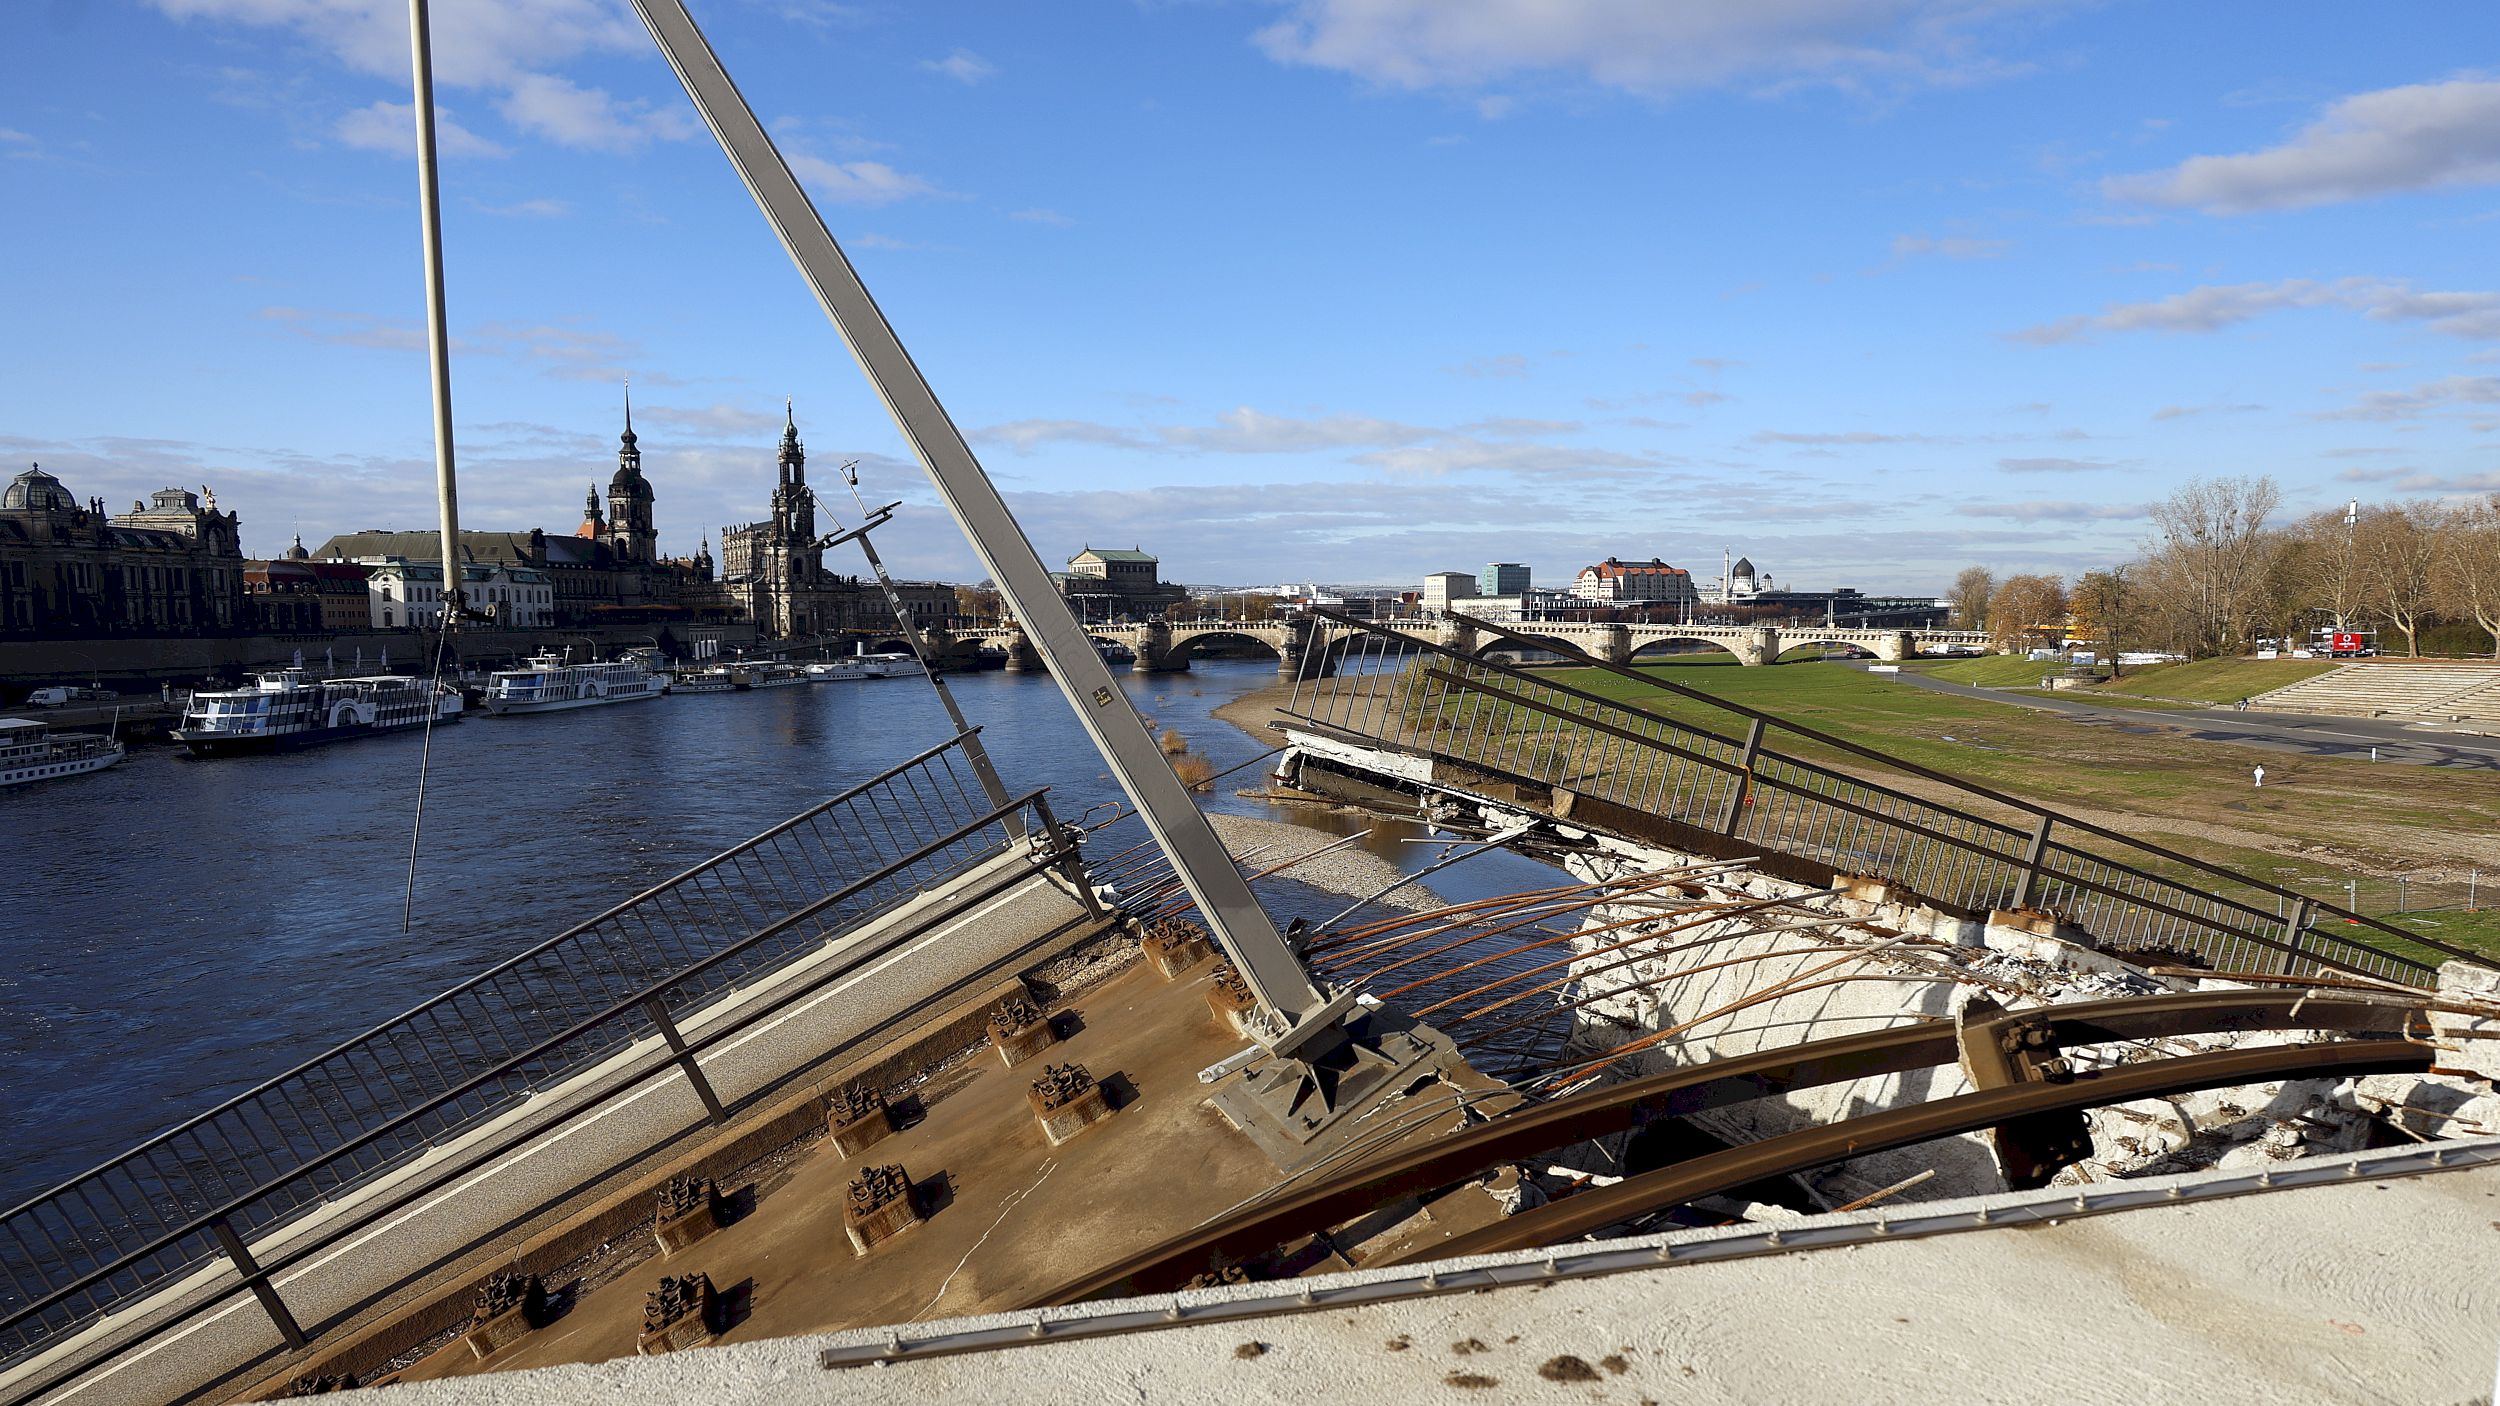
2394 688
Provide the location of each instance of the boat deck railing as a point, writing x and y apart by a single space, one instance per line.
216 1183
1728 779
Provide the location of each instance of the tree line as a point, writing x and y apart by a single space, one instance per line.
2220 573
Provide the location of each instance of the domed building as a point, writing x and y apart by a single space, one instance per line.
172 565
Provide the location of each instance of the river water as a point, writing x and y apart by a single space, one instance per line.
177 930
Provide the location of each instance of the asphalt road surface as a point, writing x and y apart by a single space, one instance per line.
2399 742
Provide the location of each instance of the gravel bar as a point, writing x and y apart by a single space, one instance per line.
1352 871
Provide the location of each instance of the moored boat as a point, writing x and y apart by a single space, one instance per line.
770 675
701 681
285 710
30 752
547 685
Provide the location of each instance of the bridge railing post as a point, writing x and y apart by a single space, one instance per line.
1742 791
2026 885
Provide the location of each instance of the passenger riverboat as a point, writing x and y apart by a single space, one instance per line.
773 675
286 710
702 681
547 684
29 752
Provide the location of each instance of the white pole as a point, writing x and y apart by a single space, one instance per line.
437 339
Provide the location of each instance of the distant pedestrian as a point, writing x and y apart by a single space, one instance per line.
2261 778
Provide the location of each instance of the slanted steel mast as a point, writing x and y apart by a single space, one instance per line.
437 337
1303 1019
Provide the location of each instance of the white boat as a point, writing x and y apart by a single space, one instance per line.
548 685
29 752
285 710
841 670
773 675
894 666
702 681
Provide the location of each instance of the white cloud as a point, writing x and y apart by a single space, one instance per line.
489 44
2053 511
570 115
1462 454
1025 434
2055 466
348 329
1507 366
2182 412
2406 405
963 65
536 208
1244 430
505 47
724 421
1639 45
2419 137
1910 246
2215 306
1841 437
392 128
857 182
1494 444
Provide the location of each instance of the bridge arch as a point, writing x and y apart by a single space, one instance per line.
1529 644
1656 648
1185 647
1826 643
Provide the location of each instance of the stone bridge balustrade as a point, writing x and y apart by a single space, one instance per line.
1164 647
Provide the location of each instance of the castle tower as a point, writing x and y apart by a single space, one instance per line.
630 527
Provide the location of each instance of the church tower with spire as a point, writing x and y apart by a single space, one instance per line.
630 531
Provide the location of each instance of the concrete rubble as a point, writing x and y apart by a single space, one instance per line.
1782 963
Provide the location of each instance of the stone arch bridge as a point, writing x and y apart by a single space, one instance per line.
1162 647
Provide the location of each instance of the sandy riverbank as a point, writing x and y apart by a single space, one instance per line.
1352 871
1253 711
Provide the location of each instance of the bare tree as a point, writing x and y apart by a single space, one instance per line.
1969 595
2027 610
2105 608
2212 556
2397 544
2331 564
2465 568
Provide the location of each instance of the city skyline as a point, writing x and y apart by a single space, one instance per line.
1284 292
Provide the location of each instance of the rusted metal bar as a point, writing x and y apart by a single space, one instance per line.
658 1011
1675 1093
258 1279
1596 1209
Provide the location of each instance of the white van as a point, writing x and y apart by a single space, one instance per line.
61 695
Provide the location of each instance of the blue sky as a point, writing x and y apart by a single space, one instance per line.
1339 289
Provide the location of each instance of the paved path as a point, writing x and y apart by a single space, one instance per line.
2312 736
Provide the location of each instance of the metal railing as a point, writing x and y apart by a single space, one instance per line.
1747 790
205 1188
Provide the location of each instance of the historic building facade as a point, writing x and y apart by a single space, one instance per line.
608 571
773 568
1112 584
172 565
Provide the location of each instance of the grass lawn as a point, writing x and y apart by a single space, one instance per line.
1992 671
2318 823
2217 680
